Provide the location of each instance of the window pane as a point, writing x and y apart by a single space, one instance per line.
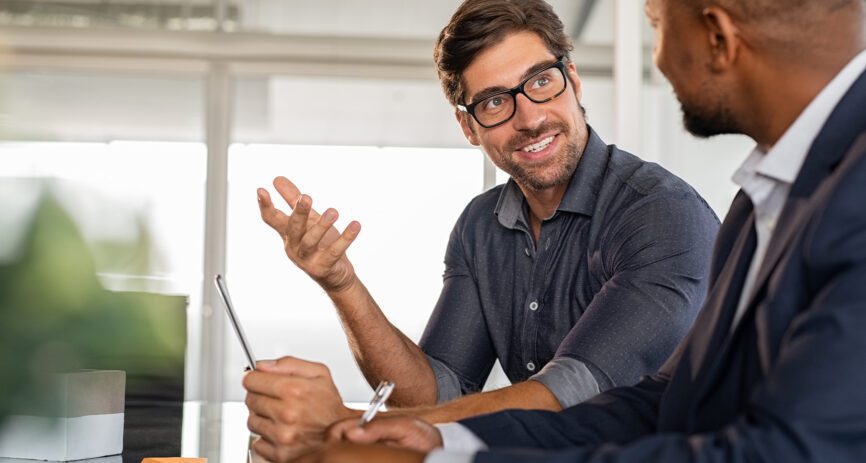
109 150
407 200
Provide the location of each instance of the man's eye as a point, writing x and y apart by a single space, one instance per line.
541 82
493 103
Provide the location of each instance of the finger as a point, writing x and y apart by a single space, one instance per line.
391 429
272 216
297 225
280 386
361 435
337 431
262 426
290 193
267 406
287 190
311 457
265 450
310 241
339 247
263 383
297 367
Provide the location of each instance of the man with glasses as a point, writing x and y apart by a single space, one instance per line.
773 369
581 273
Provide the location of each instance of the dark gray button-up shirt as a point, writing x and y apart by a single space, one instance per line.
613 284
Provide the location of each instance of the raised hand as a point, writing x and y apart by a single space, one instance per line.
292 402
310 240
400 431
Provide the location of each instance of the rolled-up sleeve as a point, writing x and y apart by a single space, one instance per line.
448 385
456 340
569 380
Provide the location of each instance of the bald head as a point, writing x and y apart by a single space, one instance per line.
793 28
774 9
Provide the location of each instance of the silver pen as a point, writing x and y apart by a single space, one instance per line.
379 398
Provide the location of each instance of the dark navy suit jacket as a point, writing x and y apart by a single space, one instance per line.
788 384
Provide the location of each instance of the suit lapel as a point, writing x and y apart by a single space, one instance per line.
837 135
830 146
722 297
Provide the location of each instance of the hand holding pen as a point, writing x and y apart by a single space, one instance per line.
380 396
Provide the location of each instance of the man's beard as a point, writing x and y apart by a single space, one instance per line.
563 163
706 122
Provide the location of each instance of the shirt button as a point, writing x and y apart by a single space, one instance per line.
526 250
530 366
533 306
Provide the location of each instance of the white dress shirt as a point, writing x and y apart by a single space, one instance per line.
767 179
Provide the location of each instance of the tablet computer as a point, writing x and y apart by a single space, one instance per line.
233 318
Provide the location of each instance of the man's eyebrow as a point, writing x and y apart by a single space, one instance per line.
498 88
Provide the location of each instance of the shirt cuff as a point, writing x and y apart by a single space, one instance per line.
446 456
459 439
447 383
569 380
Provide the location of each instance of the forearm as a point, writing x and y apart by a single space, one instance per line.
381 350
526 395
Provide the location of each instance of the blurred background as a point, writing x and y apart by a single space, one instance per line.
173 112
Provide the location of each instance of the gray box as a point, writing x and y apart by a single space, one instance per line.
89 422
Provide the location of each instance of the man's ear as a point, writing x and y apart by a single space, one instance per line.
464 119
571 72
723 36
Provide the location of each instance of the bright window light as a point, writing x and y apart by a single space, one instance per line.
407 200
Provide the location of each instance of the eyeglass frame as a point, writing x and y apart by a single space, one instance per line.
518 89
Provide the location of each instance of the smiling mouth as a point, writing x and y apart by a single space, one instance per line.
539 146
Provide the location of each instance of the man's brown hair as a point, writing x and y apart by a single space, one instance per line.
478 24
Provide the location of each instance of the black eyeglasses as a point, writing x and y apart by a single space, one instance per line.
500 107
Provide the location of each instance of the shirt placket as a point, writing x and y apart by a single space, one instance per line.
533 303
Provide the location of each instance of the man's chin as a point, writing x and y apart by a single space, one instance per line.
709 125
540 181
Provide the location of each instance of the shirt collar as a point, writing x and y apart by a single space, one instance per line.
580 195
784 160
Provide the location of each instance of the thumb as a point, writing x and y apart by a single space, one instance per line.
337 431
361 435
381 430
296 367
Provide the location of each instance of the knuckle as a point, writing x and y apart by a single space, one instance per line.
335 252
321 368
286 436
287 416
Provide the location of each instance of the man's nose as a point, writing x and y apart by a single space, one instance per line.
529 115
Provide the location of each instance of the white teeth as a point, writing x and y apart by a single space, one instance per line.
538 146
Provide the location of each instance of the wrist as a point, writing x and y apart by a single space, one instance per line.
347 287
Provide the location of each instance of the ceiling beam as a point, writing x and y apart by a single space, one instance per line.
255 52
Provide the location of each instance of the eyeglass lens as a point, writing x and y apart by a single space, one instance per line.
539 88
